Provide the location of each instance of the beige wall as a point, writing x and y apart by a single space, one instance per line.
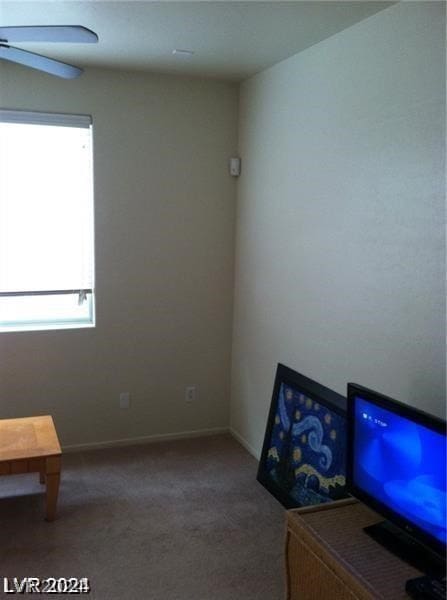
164 209
339 245
340 259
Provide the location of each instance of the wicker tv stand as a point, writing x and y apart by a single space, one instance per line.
330 557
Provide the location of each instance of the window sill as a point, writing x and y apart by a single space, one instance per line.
23 328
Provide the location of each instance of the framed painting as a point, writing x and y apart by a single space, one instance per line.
303 459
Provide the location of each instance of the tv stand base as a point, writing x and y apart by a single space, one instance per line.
406 548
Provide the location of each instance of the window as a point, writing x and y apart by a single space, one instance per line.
46 221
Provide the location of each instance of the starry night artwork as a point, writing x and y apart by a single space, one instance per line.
303 459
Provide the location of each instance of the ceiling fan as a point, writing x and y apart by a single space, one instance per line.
73 34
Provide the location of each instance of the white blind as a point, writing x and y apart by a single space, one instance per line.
43 118
46 203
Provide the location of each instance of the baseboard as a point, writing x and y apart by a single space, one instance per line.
237 436
149 439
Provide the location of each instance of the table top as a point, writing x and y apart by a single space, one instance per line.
28 437
338 527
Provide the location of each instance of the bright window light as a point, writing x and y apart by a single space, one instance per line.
46 221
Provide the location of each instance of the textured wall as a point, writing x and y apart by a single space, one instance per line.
340 262
164 210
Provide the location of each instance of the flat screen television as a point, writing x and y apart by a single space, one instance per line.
396 464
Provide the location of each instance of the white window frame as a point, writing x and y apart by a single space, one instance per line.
86 294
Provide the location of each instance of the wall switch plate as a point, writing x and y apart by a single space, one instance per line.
125 400
190 393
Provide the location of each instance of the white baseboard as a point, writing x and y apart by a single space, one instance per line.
237 436
149 439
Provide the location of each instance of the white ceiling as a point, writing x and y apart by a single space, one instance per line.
231 40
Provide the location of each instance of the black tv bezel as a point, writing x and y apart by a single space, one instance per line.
414 414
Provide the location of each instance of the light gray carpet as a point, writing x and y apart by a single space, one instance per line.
183 520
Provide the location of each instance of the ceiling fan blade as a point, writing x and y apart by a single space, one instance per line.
37 61
48 33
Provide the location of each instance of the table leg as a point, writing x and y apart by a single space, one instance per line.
52 493
52 476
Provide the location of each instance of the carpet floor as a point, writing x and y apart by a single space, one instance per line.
178 520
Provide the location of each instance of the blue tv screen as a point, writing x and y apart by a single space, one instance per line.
401 463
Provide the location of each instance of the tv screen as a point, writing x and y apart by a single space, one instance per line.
397 464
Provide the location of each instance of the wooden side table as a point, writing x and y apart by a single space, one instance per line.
30 445
328 555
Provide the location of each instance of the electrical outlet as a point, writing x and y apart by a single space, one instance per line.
190 393
125 400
